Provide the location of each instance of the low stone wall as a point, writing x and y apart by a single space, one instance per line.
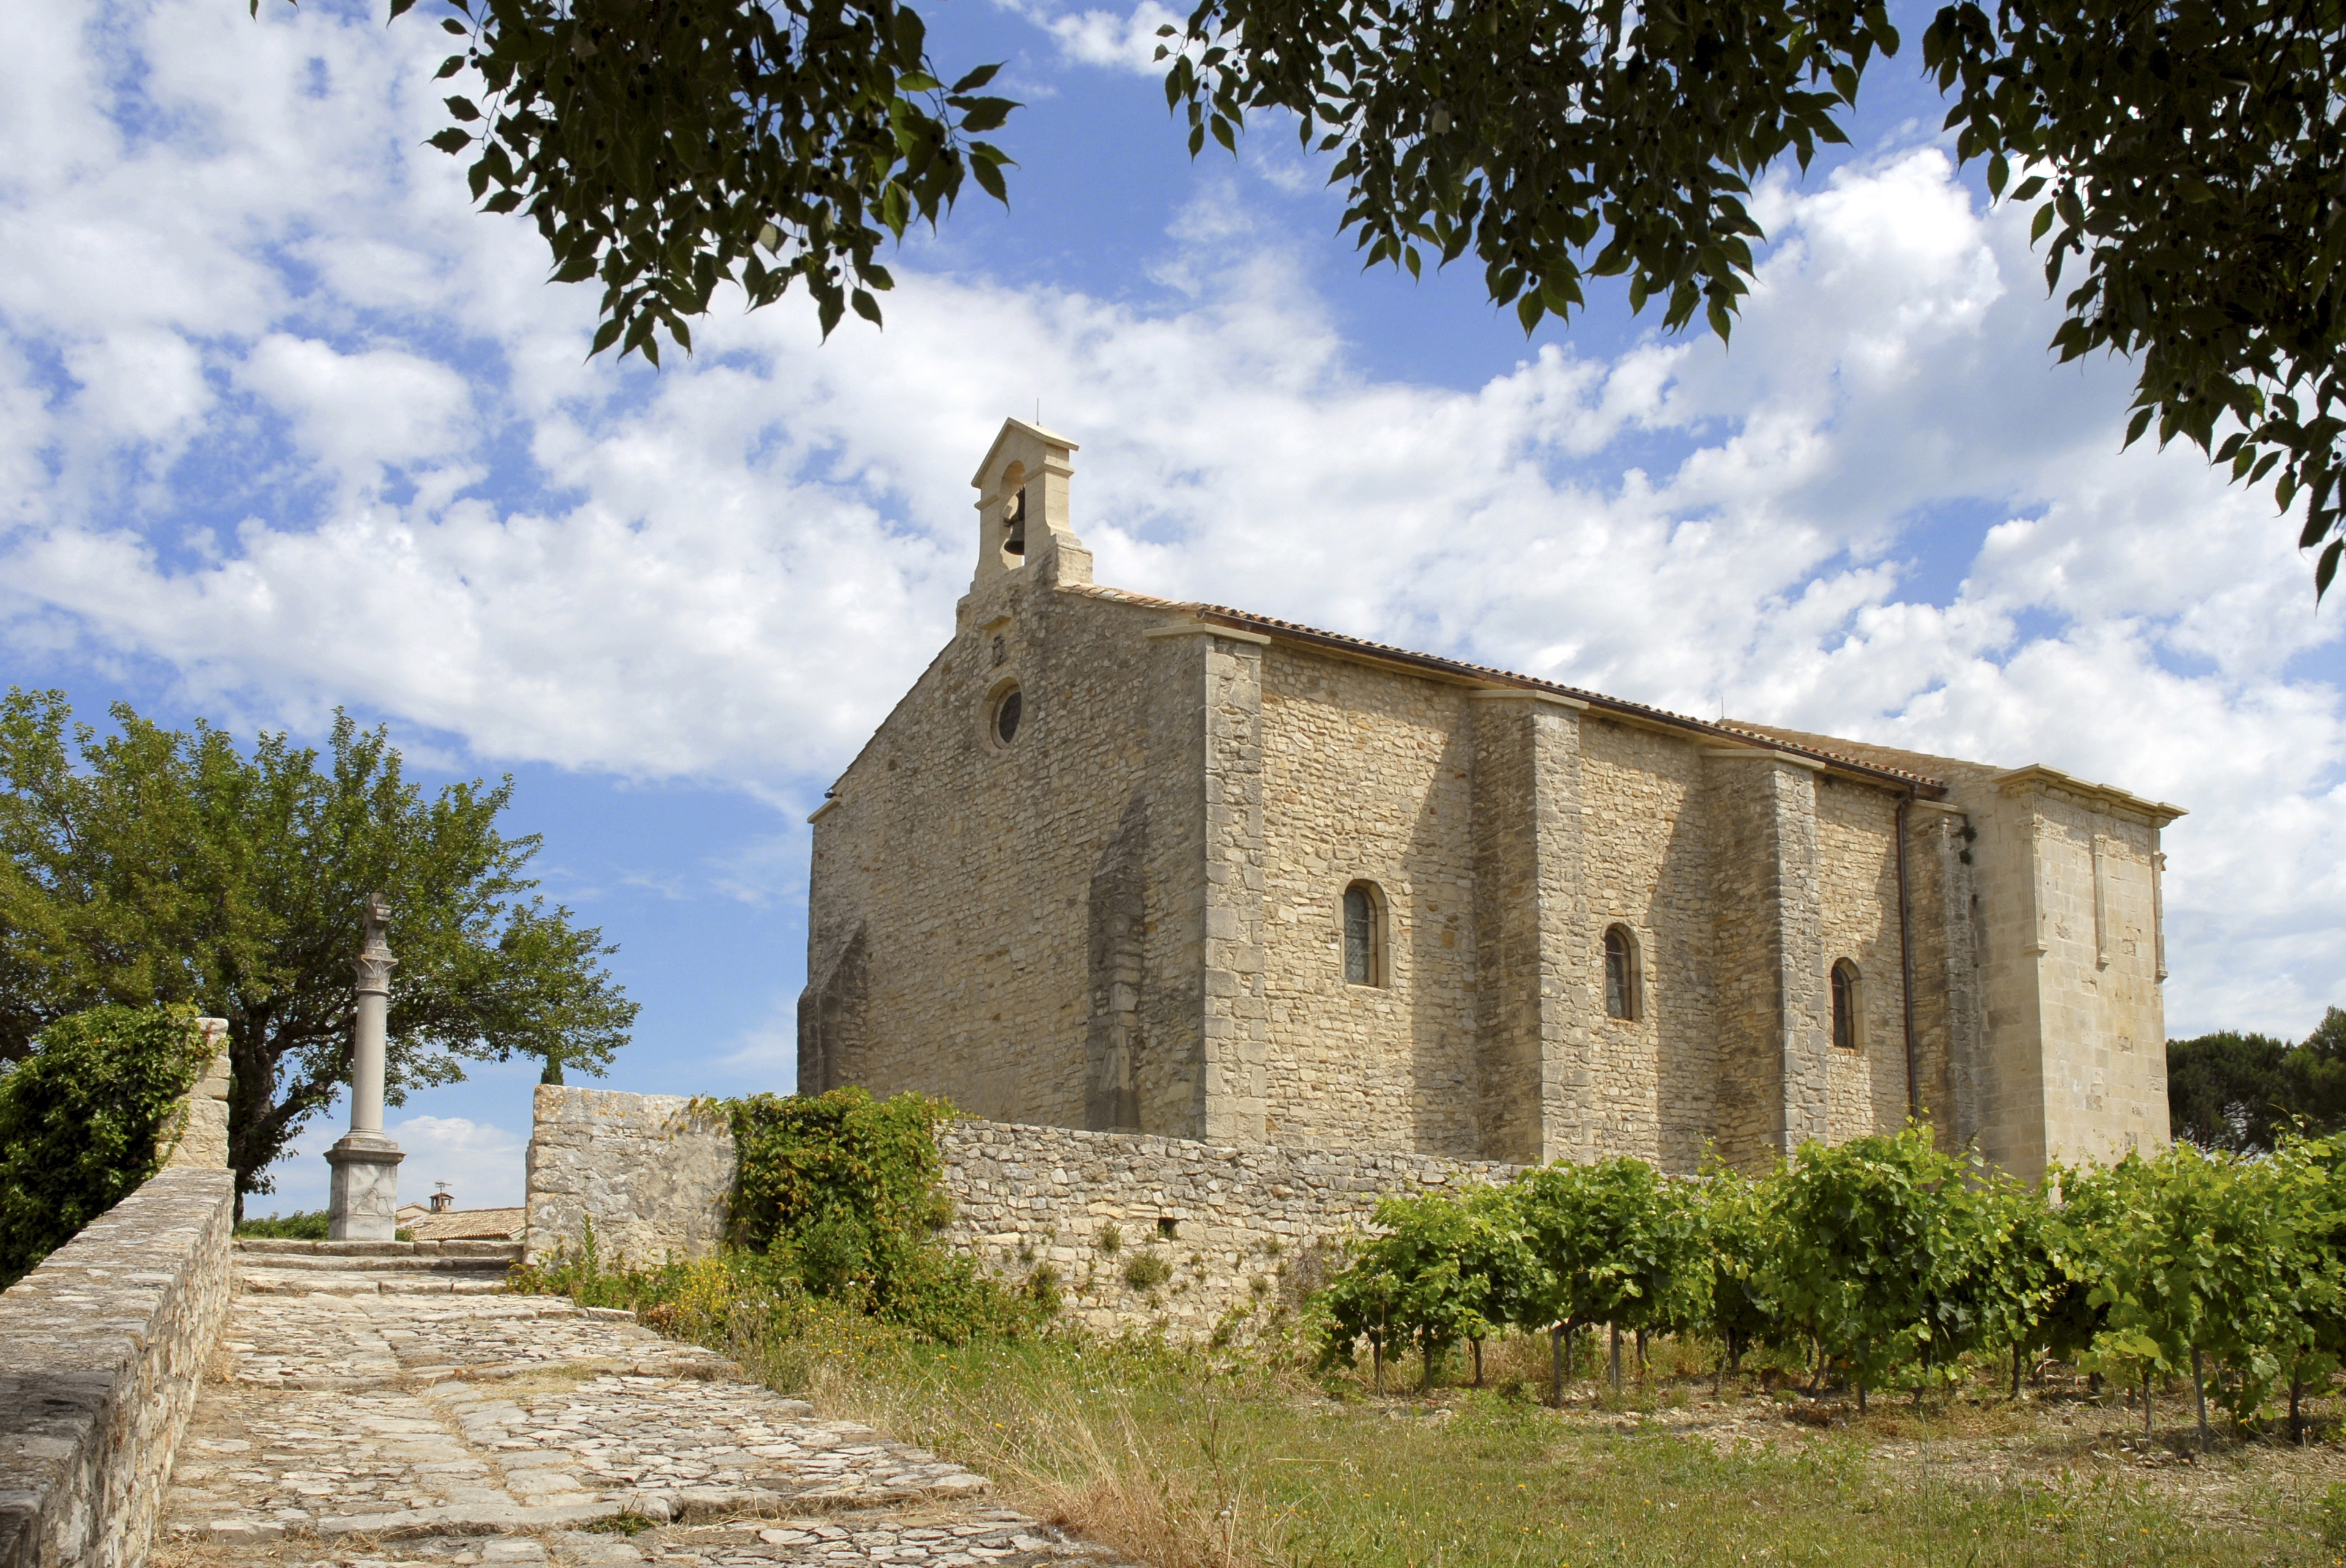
1145 1231
103 1344
1140 1231
101 1349
652 1176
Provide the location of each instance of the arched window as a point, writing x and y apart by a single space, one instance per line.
1363 935
1620 973
1848 992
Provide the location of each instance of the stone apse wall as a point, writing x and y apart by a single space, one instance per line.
1232 1226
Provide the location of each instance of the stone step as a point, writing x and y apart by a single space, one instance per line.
268 1246
383 1282
410 1265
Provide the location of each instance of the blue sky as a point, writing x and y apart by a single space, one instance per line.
284 426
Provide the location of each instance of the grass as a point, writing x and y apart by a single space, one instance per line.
1188 1459
1189 1467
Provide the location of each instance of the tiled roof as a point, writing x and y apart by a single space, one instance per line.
469 1224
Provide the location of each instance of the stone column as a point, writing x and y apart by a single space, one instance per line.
364 1203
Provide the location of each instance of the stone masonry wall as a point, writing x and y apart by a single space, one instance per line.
1243 1220
1656 1090
102 1346
1128 917
653 1175
1368 776
967 862
2104 1021
1947 988
1534 1006
1233 1228
196 1139
1857 872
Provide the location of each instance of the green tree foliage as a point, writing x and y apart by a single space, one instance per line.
665 149
2194 1259
161 866
2241 1092
2186 155
1895 1263
1615 1244
2012 1281
1876 1241
1356 1307
842 1194
2191 152
1438 1270
80 1117
1736 1232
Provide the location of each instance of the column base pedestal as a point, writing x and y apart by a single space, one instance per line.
364 1201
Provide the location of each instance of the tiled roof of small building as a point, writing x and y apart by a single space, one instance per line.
468 1224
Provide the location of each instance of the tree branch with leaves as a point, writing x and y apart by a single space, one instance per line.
163 866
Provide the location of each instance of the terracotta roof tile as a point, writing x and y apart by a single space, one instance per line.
469 1224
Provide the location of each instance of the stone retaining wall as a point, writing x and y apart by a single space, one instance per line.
1141 1231
101 1349
1145 1231
651 1176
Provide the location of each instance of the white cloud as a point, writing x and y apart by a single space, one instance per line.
730 569
1129 41
355 412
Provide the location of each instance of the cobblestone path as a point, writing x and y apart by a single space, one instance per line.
388 1403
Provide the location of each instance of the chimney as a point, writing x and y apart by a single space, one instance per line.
444 1200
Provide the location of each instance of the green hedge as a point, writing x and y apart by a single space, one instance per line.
842 1194
79 1118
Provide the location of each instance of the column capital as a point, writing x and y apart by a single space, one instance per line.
374 962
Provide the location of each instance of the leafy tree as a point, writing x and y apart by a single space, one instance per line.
2192 1260
156 865
80 1116
1497 1254
2013 1280
2185 156
1615 1244
1356 1304
1875 1243
841 1194
1736 1232
665 149
2309 1192
2221 1089
2241 1092
1416 1271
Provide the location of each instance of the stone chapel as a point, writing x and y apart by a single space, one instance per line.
1119 862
